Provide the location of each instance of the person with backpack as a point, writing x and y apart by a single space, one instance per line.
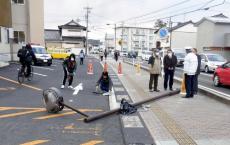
69 67
154 70
82 56
26 56
170 62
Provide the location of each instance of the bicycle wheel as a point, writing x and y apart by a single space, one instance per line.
20 76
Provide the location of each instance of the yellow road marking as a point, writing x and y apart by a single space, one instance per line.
35 142
5 108
67 113
69 127
15 82
21 113
93 142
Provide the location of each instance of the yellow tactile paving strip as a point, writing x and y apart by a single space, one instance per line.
175 130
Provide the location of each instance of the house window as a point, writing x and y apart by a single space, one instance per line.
18 1
19 36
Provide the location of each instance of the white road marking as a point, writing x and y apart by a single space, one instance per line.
40 74
77 89
43 68
37 74
112 101
209 75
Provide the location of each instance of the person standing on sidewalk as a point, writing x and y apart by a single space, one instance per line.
197 72
154 70
190 68
105 54
170 62
82 56
69 67
101 54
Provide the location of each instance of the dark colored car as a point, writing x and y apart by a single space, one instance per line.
180 58
222 75
132 54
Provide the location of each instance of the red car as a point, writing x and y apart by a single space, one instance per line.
222 75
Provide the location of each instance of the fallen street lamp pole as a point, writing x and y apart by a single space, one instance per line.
54 102
137 104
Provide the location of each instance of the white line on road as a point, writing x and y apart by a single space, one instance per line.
43 68
40 74
209 75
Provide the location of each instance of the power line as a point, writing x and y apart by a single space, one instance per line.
178 14
156 11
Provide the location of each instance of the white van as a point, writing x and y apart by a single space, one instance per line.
41 55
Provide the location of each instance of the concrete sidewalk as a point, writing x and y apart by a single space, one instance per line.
3 64
175 120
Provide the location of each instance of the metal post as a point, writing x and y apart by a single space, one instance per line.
170 27
115 37
137 104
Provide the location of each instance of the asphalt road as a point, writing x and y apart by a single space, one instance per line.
24 120
205 79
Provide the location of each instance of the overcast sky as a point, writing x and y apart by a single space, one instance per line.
58 12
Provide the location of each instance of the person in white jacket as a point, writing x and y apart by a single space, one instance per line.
190 68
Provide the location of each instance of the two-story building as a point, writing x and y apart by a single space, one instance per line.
213 35
26 18
68 36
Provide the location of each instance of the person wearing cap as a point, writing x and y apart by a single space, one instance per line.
154 70
170 62
190 69
69 67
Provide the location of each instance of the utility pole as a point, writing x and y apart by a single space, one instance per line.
122 34
170 28
115 37
87 24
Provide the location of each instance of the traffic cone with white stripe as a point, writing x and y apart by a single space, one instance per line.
105 67
120 69
90 68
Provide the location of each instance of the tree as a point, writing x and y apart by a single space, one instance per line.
159 24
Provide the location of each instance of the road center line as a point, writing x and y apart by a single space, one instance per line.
15 82
40 74
35 142
20 113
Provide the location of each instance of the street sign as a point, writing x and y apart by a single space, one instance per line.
163 32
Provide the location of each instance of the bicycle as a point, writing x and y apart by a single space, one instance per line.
22 74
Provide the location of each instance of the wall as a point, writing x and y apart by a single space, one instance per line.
205 33
4 45
36 21
219 37
183 39
66 32
5 13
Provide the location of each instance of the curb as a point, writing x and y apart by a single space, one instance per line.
3 64
202 89
133 127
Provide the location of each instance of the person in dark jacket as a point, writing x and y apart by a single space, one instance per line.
104 84
26 57
170 62
197 72
69 67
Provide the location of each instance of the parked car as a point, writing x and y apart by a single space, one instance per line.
132 54
210 61
41 54
180 58
146 55
123 53
222 75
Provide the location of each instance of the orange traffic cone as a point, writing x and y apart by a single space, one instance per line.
183 89
105 67
90 68
119 69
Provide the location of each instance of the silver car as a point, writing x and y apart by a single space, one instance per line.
210 61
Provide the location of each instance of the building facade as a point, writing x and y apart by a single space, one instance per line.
213 35
135 38
27 22
68 36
